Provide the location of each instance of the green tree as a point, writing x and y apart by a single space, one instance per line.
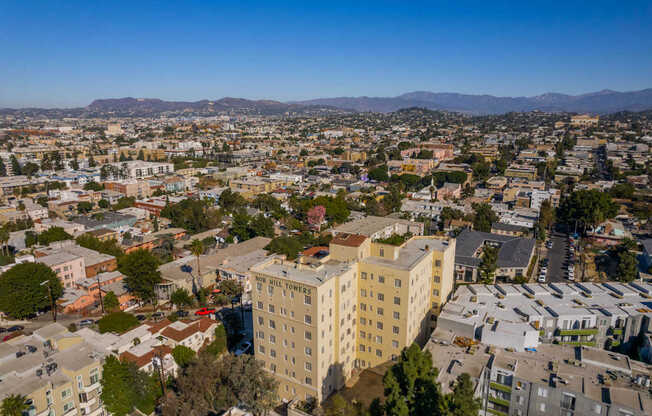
230 287
285 245
411 386
261 226
627 269
210 386
219 344
379 174
111 302
240 225
117 322
488 265
110 247
586 208
52 235
103 203
197 248
15 166
30 169
93 186
183 355
84 207
141 155
141 270
484 217
14 405
91 161
31 238
180 298
124 388
23 293
3 168
461 401
231 201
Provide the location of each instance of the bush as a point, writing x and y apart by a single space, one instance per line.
183 355
218 346
118 322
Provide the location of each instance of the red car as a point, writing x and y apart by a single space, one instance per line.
205 311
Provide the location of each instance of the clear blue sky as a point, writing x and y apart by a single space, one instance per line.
67 53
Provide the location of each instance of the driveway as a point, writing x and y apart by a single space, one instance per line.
557 256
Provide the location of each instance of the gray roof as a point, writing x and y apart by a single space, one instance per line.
513 251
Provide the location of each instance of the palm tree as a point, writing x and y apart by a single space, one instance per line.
197 248
14 405
4 239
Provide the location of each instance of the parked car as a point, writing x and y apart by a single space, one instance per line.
141 317
86 322
542 278
2 330
244 348
182 313
158 315
205 311
15 328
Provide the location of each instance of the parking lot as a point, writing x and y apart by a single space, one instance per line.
557 258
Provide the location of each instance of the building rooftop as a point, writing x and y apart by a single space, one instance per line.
309 274
513 251
368 226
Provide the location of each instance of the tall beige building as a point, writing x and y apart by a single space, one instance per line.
316 320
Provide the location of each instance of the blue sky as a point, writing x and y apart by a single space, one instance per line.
56 53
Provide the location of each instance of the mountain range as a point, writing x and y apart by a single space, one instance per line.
601 102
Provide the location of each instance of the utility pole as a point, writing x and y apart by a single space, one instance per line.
52 305
99 292
158 364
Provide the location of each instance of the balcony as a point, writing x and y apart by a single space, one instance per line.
496 400
571 332
500 387
91 387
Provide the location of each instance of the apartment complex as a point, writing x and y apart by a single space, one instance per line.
553 380
56 370
317 319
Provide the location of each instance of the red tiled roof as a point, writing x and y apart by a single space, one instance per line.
349 240
314 250
146 358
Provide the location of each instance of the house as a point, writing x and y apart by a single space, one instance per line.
449 191
69 268
94 261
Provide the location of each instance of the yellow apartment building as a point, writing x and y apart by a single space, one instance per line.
56 370
315 321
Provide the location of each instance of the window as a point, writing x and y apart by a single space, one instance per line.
437 279
363 321
567 401
271 308
381 297
379 339
381 279
308 381
394 344
543 392
363 293
363 334
95 376
379 325
308 335
362 348
260 305
542 407
308 366
380 311
435 292
66 393
379 353
307 319
259 286
308 351
307 300
68 407
363 306
382 252
395 329
272 353
272 324
270 290
261 349
397 282
261 321
272 339
397 300
397 315
80 382
437 263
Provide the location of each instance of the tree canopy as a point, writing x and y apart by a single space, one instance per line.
141 270
586 208
117 322
484 217
53 234
125 388
22 293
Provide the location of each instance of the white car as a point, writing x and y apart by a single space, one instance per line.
542 278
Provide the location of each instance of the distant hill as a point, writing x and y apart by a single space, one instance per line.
600 102
152 107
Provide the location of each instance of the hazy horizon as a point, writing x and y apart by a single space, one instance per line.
66 55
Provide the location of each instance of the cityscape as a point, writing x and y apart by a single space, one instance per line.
329 250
